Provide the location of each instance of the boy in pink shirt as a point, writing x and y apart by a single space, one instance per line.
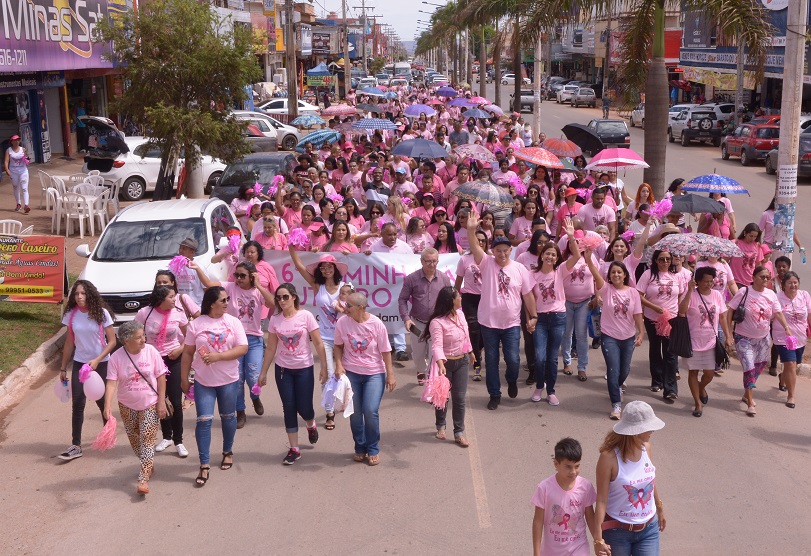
564 505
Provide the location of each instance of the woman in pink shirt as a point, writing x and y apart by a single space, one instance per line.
416 235
426 210
796 305
289 333
742 267
341 239
452 353
521 228
445 239
363 354
141 395
752 341
440 217
213 345
469 284
503 175
164 328
704 308
578 287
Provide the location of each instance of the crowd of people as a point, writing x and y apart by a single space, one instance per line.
572 257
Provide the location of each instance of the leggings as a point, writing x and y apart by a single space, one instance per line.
80 400
141 427
172 427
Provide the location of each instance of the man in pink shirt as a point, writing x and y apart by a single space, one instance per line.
597 213
401 184
505 284
388 242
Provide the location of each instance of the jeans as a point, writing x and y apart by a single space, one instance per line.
204 398
627 543
420 349
529 345
329 349
79 400
577 321
470 307
510 340
663 364
397 342
296 391
172 427
547 338
617 354
365 422
456 370
250 366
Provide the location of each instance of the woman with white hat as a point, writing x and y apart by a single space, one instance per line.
629 508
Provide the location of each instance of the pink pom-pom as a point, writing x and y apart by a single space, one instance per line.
298 238
190 395
84 372
520 186
406 201
178 263
661 209
663 324
106 438
256 390
791 342
233 243
591 242
272 189
628 236
335 198
277 180
441 391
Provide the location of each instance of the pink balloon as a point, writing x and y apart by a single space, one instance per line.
94 386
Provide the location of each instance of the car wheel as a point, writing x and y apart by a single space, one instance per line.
133 189
633 124
574 104
289 142
724 153
670 137
769 168
504 82
684 140
212 181
745 160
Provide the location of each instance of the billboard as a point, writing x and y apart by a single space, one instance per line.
32 268
321 42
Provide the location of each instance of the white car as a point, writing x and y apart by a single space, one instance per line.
279 106
383 79
638 115
675 110
287 136
565 93
139 168
367 82
509 79
143 238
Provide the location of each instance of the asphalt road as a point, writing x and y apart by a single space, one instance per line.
730 483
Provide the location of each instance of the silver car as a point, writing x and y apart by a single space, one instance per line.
565 93
584 95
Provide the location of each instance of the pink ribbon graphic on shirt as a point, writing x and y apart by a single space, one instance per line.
565 522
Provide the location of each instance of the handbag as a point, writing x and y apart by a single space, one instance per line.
721 355
170 409
680 343
740 311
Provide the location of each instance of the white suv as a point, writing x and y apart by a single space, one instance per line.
143 238
702 123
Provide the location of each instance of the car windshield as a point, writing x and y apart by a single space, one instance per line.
612 127
150 240
586 92
248 173
768 133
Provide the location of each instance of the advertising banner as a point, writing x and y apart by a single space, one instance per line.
697 30
379 276
32 268
321 43
320 80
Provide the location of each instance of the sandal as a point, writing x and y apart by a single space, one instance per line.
143 487
374 460
226 465
567 370
462 441
360 458
330 424
420 378
581 376
202 479
440 434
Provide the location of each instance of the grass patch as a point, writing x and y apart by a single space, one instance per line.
23 327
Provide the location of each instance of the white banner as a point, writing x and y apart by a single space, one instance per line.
379 276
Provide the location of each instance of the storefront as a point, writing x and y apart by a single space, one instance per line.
30 107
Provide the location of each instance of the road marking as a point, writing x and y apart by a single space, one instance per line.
479 490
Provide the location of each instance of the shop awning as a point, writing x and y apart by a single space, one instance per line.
321 70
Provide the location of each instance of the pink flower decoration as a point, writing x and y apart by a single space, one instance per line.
298 238
335 198
663 324
84 372
256 390
233 243
178 263
628 236
591 242
406 201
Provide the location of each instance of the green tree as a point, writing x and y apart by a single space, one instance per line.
377 65
184 67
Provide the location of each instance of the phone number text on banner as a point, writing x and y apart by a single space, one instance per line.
32 268
379 276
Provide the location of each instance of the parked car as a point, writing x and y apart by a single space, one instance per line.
142 238
279 106
527 99
612 132
554 87
250 170
638 115
398 82
286 136
696 124
509 79
383 79
751 142
584 95
565 93
368 82
139 168
804 156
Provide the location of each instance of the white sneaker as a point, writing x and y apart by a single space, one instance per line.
537 395
182 451
616 412
71 453
162 445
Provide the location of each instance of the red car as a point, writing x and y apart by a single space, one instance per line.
751 142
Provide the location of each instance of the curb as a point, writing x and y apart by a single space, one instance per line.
32 369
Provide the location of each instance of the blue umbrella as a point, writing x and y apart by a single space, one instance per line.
462 102
374 123
449 92
417 109
373 91
420 148
308 120
318 138
476 113
390 94
714 183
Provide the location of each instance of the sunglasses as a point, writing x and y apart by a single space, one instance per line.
664 259
240 275
283 297
224 300
376 213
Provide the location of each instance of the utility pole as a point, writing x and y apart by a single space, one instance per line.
347 73
497 72
786 186
363 24
739 66
290 61
607 59
536 86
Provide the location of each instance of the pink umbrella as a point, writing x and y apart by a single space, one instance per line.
479 100
435 101
561 147
476 152
339 110
611 159
539 157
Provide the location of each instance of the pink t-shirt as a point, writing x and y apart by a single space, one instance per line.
564 516
172 336
630 261
521 228
133 391
664 291
619 308
549 290
565 211
578 285
796 312
246 305
704 325
293 350
527 259
292 218
364 343
593 217
744 267
343 248
419 243
502 290
220 335
760 309
723 274
470 273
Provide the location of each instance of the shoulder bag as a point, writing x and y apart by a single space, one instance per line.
740 311
170 409
721 355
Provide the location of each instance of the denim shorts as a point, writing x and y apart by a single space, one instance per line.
790 355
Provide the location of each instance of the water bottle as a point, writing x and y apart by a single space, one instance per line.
803 252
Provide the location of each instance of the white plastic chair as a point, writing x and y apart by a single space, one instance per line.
44 184
115 191
27 231
100 208
75 207
83 189
93 173
10 227
95 180
55 200
77 178
59 185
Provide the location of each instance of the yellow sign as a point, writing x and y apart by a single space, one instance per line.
27 291
723 81
279 33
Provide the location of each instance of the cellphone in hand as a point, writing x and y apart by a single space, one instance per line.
414 330
203 350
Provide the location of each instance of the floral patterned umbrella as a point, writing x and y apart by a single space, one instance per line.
539 157
339 110
479 100
562 147
702 245
486 193
476 152
714 183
